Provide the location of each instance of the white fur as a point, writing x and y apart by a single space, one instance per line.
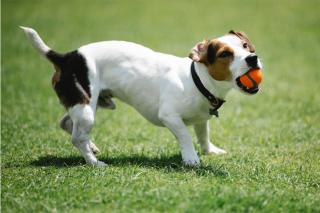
159 86
36 40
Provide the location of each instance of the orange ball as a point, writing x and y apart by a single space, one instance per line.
255 74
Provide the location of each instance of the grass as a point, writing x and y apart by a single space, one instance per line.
272 139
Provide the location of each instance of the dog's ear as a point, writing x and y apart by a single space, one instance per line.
199 51
246 41
211 53
232 32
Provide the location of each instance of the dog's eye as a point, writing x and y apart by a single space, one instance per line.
225 54
245 45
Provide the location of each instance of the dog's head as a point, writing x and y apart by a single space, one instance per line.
227 58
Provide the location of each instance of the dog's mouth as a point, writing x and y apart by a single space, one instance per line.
249 82
251 91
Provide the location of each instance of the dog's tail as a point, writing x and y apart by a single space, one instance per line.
42 48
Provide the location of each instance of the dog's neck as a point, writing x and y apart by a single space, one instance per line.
218 88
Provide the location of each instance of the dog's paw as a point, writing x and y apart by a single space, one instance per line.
101 164
212 149
94 148
191 161
97 163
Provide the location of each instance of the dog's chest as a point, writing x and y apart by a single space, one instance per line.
194 110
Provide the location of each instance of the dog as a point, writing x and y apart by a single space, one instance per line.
168 91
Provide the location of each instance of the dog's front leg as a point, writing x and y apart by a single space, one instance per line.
67 125
83 118
175 124
202 132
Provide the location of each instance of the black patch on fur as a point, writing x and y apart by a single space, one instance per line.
211 54
105 99
73 68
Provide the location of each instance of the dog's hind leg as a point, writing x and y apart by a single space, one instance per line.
202 132
67 125
82 116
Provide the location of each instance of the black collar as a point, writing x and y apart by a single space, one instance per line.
215 102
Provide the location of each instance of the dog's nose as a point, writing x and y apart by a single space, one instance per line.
252 60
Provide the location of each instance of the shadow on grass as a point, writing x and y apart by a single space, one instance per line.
166 163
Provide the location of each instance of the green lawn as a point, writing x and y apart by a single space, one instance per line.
272 139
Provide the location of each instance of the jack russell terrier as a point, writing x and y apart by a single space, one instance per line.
167 90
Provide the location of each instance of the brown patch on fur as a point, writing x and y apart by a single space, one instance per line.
56 76
209 53
245 40
219 66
